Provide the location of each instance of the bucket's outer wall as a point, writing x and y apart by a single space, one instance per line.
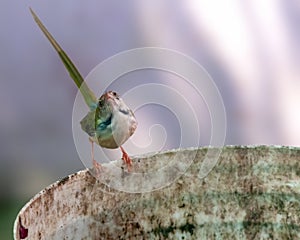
252 193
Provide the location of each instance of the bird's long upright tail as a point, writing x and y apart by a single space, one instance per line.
87 93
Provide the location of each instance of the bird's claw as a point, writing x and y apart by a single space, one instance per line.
126 160
97 168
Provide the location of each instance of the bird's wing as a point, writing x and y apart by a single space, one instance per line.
88 124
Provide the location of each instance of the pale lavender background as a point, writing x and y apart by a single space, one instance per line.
251 49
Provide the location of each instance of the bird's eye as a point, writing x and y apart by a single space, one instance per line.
115 95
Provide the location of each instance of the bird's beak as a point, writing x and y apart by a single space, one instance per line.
106 96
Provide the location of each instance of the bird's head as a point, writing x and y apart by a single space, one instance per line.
111 101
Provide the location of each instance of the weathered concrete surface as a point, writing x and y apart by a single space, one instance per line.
252 193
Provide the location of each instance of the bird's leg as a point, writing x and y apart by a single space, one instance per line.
126 159
96 166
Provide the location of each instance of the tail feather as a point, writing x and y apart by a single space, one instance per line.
88 95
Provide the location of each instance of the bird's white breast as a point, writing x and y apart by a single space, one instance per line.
123 126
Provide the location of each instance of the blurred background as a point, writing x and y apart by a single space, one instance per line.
250 48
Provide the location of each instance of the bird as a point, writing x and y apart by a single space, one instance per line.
110 125
109 122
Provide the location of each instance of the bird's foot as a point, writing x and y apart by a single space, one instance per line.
97 168
126 159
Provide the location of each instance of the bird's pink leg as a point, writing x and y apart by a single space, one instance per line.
126 159
96 166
